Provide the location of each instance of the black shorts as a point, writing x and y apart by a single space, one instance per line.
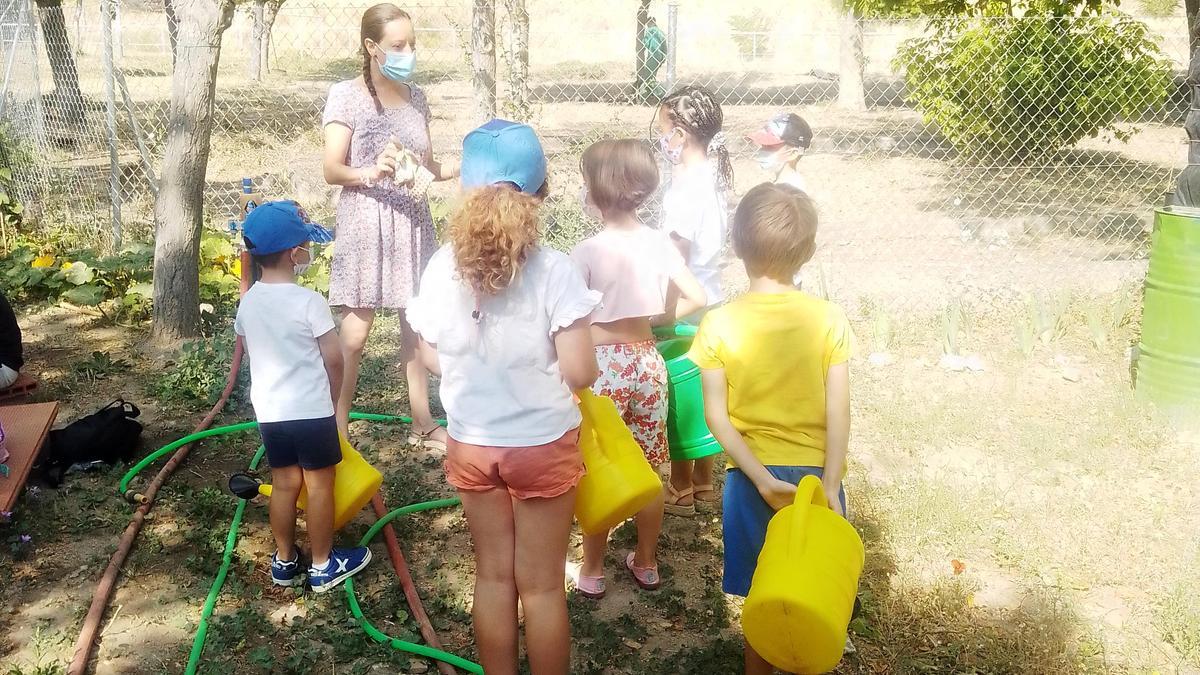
313 444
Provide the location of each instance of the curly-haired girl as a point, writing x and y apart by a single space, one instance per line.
506 323
696 215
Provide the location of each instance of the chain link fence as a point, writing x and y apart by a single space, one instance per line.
909 220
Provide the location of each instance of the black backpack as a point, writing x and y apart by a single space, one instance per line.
110 435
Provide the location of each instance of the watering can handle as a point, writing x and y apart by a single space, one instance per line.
808 492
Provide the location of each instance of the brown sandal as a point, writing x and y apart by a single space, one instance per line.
672 506
704 503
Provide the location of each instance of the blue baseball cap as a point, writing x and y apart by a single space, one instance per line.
278 226
503 152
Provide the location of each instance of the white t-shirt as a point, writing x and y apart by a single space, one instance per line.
795 180
281 324
501 385
695 209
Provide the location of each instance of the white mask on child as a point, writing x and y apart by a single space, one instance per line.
300 268
769 160
590 210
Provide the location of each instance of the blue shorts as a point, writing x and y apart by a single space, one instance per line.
313 444
744 523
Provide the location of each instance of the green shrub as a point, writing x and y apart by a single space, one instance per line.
199 372
1160 8
1019 88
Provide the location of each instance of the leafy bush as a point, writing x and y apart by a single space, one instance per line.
198 373
751 33
123 282
1018 88
1160 8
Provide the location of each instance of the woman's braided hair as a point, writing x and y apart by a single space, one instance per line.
373 22
696 110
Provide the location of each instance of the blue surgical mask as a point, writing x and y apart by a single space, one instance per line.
398 66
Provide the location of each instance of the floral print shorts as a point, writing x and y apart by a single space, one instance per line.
634 376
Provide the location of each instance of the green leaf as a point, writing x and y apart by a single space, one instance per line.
88 295
141 290
80 273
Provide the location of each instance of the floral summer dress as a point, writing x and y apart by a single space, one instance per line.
384 234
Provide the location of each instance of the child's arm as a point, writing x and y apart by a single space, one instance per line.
428 356
837 432
684 245
692 297
776 492
577 354
331 354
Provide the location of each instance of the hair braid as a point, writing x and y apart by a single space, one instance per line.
698 112
369 82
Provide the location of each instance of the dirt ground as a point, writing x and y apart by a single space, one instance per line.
1031 517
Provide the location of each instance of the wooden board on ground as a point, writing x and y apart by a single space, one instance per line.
25 429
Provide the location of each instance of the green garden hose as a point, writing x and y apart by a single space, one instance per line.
231 543
380 636
226 560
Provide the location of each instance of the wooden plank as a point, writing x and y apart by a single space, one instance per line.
25 429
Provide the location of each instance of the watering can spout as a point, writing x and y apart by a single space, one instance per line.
245 486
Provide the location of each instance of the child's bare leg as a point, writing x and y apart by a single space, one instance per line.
681 479
595 546
755 664
494 611
318 513
702 472
354 331
543 531
285 488
649 526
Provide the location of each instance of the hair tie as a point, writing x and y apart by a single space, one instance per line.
717 142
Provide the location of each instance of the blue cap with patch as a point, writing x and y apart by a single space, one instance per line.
503 152
278 226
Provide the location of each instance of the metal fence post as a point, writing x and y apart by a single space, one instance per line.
672 40
110 120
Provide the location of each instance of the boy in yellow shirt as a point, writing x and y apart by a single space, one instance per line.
776 381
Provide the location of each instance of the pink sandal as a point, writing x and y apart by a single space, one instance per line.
592 588
646 577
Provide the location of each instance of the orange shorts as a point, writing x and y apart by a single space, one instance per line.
536 471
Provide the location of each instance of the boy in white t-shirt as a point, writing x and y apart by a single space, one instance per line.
295 377
781 145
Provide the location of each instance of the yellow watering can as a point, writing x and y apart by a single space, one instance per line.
354 484
802 593
619 481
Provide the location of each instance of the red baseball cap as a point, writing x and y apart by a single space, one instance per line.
783 129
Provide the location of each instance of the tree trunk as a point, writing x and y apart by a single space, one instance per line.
179 209
852 93
483 58
1192 123
272 11
66 99
518 58
172 28
258 35
639 47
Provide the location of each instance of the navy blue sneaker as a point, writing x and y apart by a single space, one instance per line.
286 572
343 564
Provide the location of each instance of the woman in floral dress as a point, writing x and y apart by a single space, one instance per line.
385 232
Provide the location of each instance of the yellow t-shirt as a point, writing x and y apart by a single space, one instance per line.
776 350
